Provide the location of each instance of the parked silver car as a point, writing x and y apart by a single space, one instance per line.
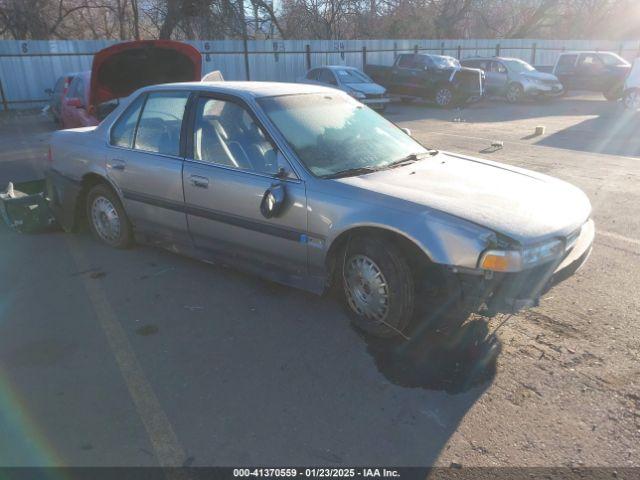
351 80
306 186
515 79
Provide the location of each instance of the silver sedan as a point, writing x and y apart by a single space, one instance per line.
306 186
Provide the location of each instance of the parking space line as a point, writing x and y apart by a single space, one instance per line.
617 236
165 443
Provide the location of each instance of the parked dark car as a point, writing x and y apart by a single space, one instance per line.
121 69
593 71
436 78
514 79
57 95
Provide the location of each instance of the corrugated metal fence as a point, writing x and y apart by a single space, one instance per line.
27 68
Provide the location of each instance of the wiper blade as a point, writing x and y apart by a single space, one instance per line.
411 158
349 172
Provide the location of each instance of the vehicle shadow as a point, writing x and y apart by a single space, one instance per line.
246 371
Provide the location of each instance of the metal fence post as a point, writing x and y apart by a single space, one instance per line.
441 48
497 49
459 52
415 49
5 104
364 56
307 49
395 49
534 47
246 57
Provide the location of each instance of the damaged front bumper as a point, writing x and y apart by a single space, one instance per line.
491 293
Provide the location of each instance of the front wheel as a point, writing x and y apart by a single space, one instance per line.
631 99
107 218
378 286
515 92
444 97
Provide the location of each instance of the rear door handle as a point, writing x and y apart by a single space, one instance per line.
116 164
198 181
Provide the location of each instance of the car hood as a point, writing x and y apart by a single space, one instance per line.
121 69
523 205
366 88
541 76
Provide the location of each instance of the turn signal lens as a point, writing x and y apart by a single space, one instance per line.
496 261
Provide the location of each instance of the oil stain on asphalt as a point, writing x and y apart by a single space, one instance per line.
451 361
147 330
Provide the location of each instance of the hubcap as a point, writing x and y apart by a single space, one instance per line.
366 288
443 97
105 219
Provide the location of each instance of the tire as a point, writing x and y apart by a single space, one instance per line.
613 95
444 97
631 99
107 219
515 93
370 264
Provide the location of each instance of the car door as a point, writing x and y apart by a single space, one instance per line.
145 162
566 70
589 72
497 77
406 75
230 164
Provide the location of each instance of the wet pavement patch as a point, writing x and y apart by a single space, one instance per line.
147 330
451 361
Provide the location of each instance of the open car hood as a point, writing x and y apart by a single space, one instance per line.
121 69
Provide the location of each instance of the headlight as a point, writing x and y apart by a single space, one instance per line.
357 94
517 260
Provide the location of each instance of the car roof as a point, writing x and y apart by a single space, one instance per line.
491 58
246 89
339 67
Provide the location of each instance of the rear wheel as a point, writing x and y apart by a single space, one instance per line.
515 92
613 94
378 286
107 218
631 99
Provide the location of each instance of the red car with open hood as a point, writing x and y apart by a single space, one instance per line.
120 70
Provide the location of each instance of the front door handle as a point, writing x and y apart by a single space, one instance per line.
116 164
198 181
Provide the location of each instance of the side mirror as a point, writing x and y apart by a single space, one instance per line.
406 130
75 102
273 201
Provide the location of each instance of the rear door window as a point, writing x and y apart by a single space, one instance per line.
123 130
160 123
406 61
567 61
326 76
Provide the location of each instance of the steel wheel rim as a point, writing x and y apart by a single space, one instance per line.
105 218
366 288
513 93
443 97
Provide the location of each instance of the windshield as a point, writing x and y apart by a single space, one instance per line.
333 133
348 76
518 66
443 61
612 59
